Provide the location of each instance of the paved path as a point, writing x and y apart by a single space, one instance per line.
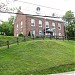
66 73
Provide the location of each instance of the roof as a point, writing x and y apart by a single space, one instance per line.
44 17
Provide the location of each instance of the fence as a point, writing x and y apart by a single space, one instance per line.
27 38
12 41
60 37
71 38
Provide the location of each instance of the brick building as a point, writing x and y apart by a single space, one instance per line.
29 24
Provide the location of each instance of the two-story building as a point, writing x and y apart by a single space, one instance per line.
29 24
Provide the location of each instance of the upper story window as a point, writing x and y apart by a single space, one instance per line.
53 25
59 26
32 22
47 24
21 24
40 23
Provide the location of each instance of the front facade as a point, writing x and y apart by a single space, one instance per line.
37 26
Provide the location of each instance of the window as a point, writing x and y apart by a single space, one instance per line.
17 34
40 23
47 24
59 26
21 32
21 24
54 34
17 25
33 32
53 25
60 34
32 22
40 32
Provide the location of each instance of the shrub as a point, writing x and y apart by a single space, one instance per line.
29 34
20 35
37 36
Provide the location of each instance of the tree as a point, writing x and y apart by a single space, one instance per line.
68 16
11 19
7 27
1 30
70 28
4 6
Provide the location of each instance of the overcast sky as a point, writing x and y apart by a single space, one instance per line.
59 7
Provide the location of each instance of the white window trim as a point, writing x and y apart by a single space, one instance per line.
47 23
40 31
17 34
33 32
60 34
53 25
59 25
32 21
40 23
21 24
17 26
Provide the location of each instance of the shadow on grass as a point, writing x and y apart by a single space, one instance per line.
56 69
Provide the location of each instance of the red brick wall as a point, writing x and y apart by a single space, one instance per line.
62 29
27 25
20 18
36 27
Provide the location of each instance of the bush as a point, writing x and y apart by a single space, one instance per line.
29 34
20 35
37 36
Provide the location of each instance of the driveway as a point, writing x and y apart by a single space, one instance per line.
66 73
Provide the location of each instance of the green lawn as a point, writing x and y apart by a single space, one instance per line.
5 38
37 57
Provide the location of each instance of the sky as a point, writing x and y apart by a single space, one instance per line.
59 7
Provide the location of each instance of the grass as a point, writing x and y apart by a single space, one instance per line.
5 38
11 39
37 57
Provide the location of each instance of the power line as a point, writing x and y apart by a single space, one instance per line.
41 5
38 5
35 15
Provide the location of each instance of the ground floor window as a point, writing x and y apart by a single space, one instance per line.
40 32
54 34
33 32
60 34
17 34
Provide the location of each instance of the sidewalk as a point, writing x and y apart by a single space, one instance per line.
66 73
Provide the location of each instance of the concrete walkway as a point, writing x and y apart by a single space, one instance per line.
66 73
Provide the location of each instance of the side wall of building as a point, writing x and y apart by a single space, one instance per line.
20 24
